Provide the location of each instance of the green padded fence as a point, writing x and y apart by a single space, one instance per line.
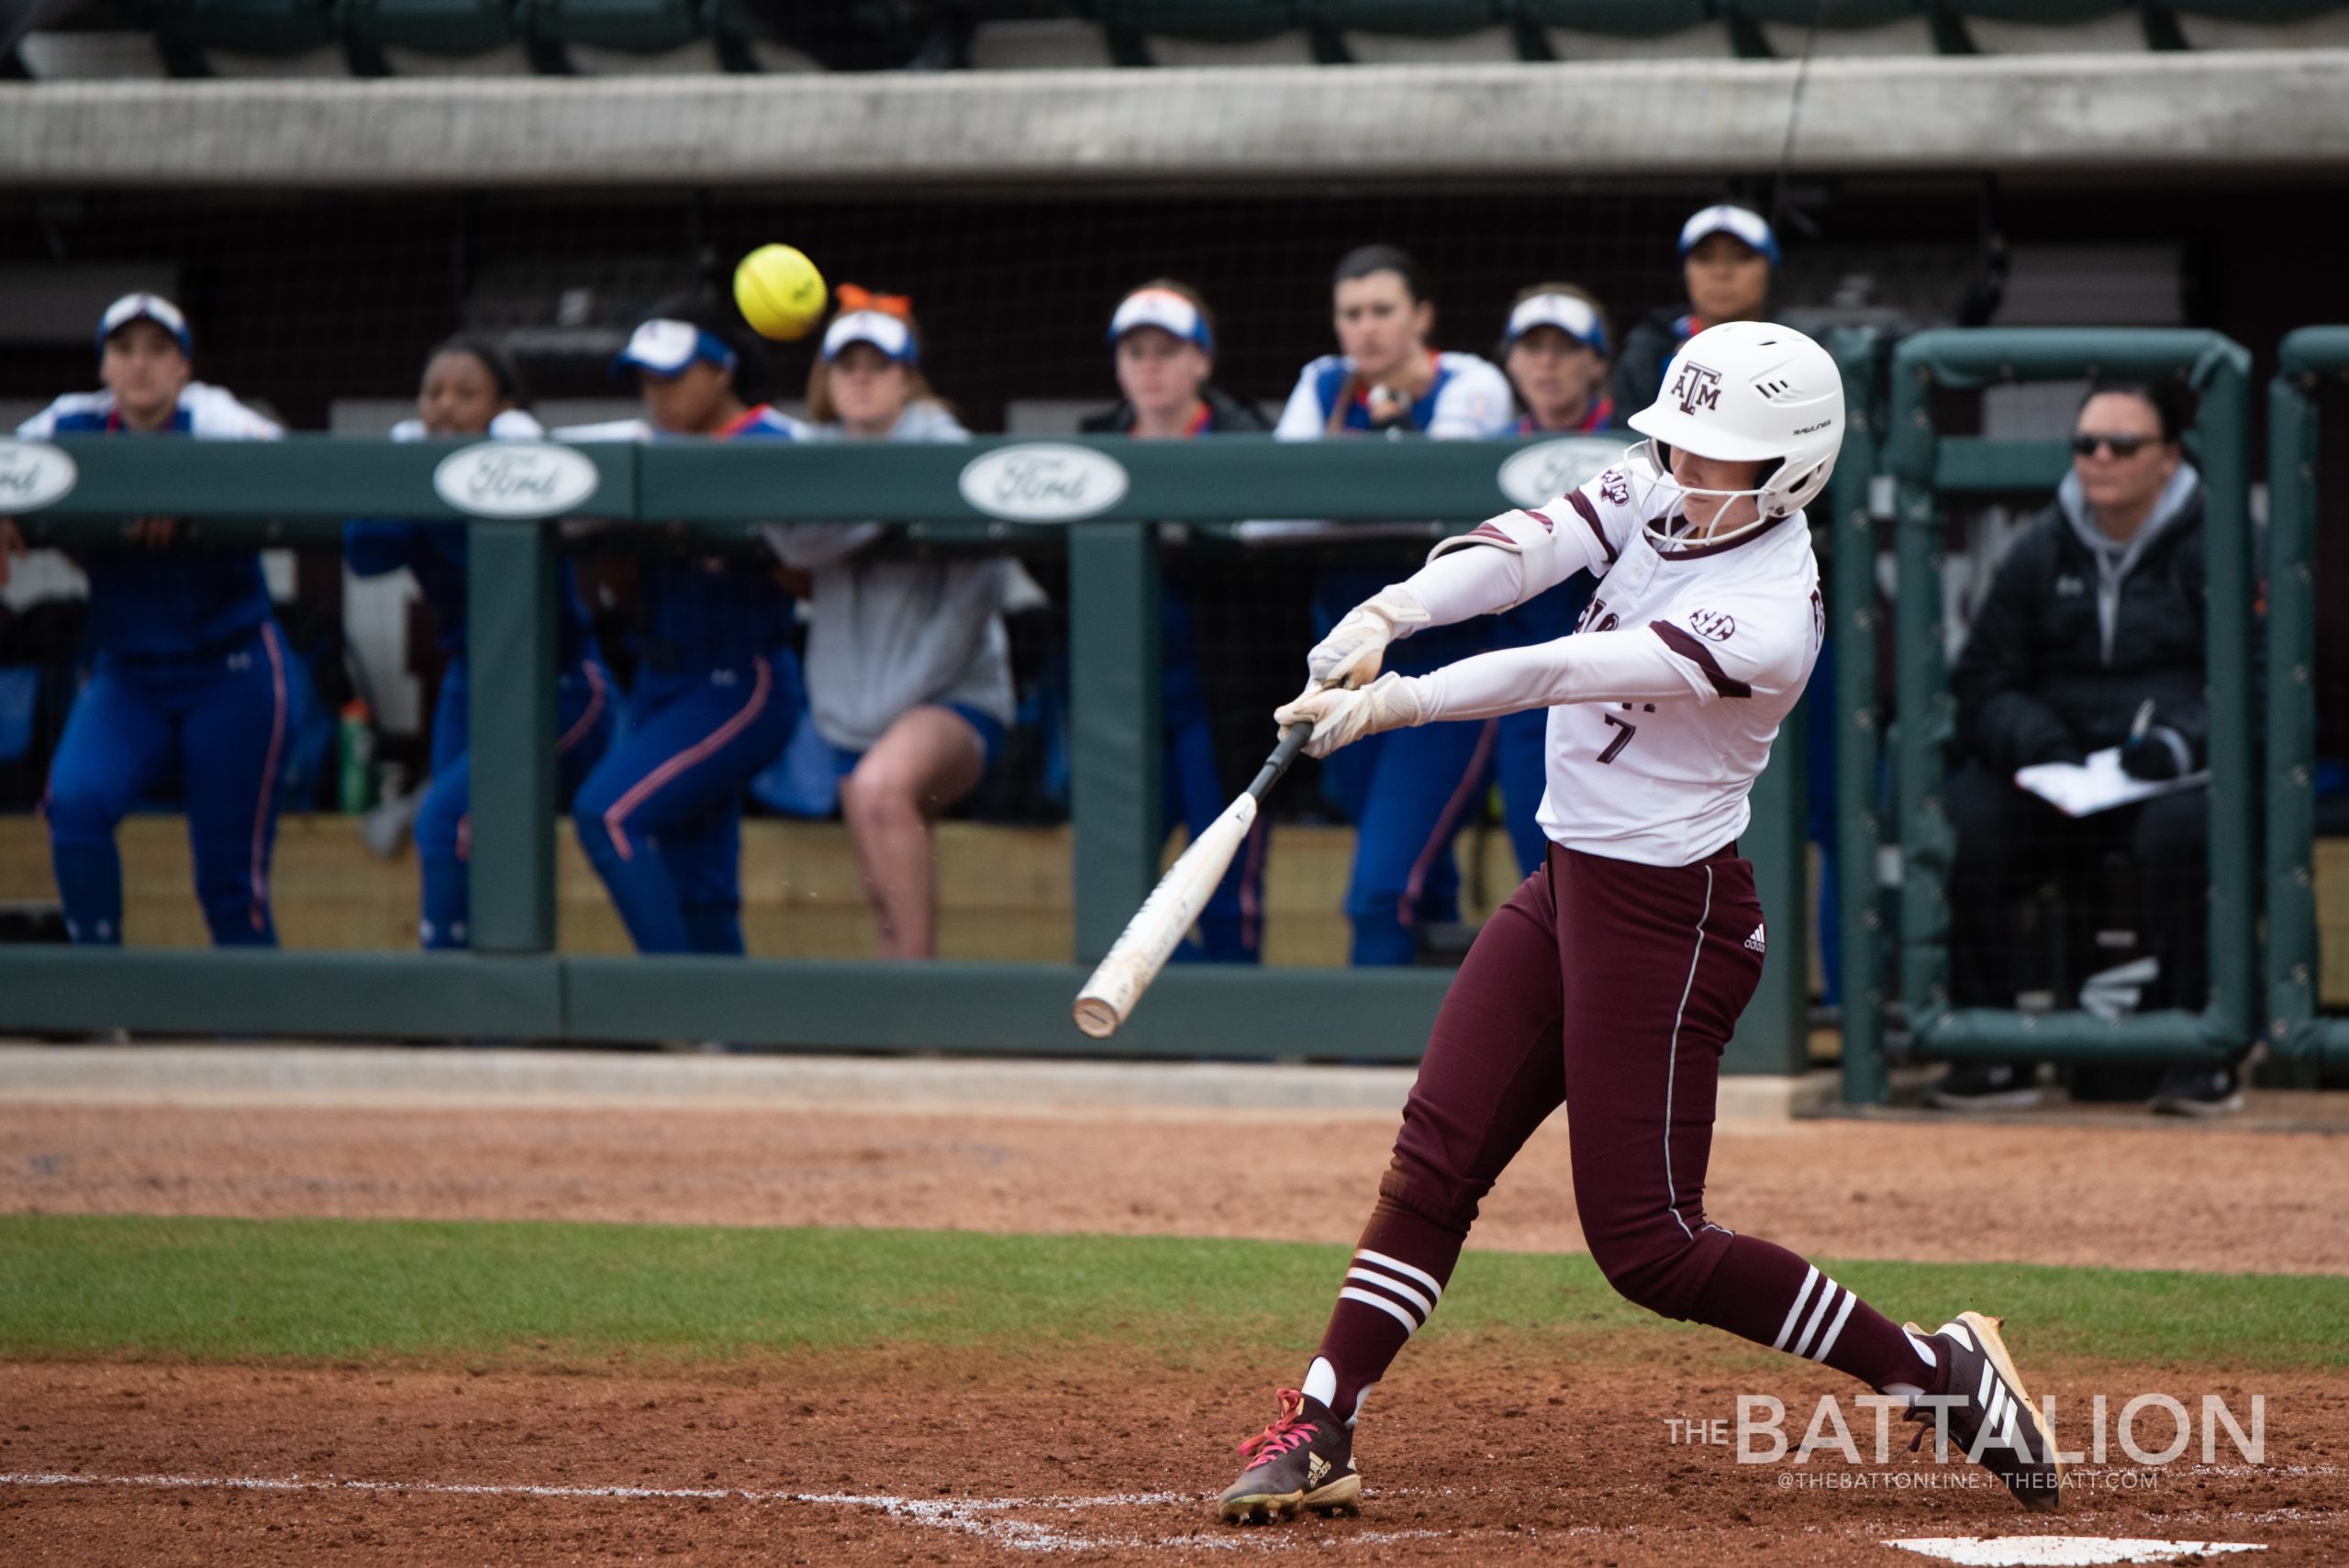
1850 510
1926 467
1102 496
2309 359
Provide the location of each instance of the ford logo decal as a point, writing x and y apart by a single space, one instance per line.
1547 469
34 474
515 479
1043 481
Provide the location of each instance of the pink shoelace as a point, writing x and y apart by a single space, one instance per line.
1292 1430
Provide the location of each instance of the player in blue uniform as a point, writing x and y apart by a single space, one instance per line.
1162 340
1555 352
471 388
717 688
1728 255
1409 791
189 671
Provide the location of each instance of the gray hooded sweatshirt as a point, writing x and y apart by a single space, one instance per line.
884 637
2114 557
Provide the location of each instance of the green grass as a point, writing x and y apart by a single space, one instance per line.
229 1290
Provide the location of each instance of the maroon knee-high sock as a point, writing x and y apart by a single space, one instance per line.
1393 1282
1764 1292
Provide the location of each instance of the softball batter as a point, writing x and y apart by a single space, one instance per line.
1612 979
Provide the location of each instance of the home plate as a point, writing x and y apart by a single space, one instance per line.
2062 1551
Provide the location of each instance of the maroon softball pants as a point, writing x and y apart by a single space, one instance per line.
1611 987
1639 972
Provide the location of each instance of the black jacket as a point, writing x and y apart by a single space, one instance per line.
1233 417
2041 681
1648 348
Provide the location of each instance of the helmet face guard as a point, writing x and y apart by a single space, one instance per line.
1671 528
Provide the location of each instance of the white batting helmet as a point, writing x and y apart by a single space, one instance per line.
1751 392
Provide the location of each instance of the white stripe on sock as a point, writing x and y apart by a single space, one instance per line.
1371 1276
1827 1344
1818 1315
1411 1324
1364 1255
1795 1311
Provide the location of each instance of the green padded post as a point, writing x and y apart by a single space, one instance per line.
1851 625
2295 1029
1772 1037
1113 724
509 659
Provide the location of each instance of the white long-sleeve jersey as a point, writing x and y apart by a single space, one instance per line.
1665 702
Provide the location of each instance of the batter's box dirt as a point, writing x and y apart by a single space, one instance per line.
977 1458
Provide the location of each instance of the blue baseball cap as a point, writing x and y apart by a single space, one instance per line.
152 308
1575 317
1167 311
1739 223
665 348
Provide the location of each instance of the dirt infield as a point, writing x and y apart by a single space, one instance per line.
1468 1460
1477 1450
2152 1194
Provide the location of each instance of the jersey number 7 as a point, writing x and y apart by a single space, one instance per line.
1615 747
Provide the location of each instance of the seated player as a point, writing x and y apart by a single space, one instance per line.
188 668
1619 969
472 388
2091 637
1408 795
1553 350
1161 341
716 689
908 663
1727 256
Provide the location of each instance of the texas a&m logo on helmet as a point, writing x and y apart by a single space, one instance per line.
1698 387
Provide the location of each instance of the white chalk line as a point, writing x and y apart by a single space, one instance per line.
970 1515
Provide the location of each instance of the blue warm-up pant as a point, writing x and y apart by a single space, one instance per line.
661 815
1409 791
218 719
443 822
1192 792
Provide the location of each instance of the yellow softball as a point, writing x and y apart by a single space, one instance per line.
779 292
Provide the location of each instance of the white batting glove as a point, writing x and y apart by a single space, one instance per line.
1351 654
1341 717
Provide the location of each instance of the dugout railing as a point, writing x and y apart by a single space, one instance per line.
1927 467
2309 361
515 984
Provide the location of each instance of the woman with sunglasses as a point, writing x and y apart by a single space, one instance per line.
2091 637
472 388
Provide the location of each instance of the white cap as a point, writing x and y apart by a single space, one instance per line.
1741 223
666 348
152 308
1575 317
886 332
1167 311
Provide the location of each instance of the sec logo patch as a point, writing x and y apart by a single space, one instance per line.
1717 626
